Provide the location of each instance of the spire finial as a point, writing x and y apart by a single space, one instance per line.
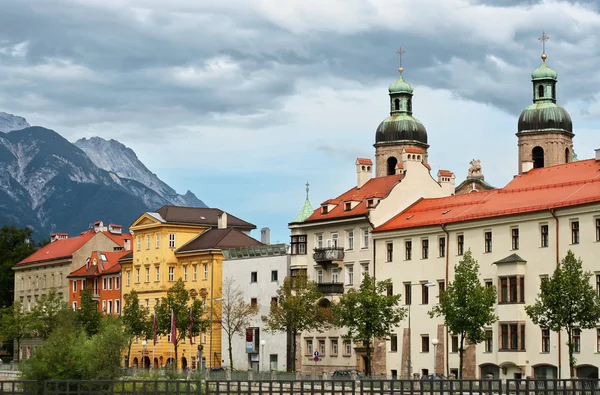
400 52
543 39
307 188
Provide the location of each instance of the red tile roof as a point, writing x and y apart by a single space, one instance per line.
378 187
551 187
445 173
64 248
110 266
413 150
364 161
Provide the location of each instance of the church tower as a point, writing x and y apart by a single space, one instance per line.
545 130
399 130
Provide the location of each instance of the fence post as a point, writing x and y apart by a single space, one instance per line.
228 373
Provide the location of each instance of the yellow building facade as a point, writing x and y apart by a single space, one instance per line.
181 243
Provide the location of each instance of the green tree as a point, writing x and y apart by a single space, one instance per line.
136 320
47 313
566 301
179 303
15 325
88 315
466 305
369 313
15 245
297 311
235 313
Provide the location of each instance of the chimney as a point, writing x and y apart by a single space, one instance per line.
99 227
526 166
364 171
115 229
597 154
127 244
58 236
265 236
222 221
447 180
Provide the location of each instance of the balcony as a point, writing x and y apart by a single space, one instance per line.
331 288
328 254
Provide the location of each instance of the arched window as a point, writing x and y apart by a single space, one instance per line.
553 91
397 104
537 156
567 155
409 105
541 91
391 165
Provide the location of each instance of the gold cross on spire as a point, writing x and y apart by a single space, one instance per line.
543 39
400 52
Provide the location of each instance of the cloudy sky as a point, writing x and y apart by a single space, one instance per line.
243 101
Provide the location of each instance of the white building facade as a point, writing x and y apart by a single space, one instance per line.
258 272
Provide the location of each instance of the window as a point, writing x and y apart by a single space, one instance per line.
598 340
512 337
424 294
350 240
137 276
334 275
128 278
394 343
147 242
335 239
334 347
139 243
454 345
575 232
597 229
117 282
489 340
157 273
74 285
171 240
408 250
347 347
407 294
309 346
460 244
274 275
390 251
598 283
104 306
171 274
365 238
147 274
319 276
274 301
253 277
322 347
515 238
104 283
576 340
541 91
442 247
298 245
545 340
206 271
319 240
254 302
74 305
350 272
157 240
512 289
488 241
185 270
194 272
117 306
364 270
424 248
441 286
544 236
424 343
273 362
488 283
110 305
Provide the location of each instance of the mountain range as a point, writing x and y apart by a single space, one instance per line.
52 185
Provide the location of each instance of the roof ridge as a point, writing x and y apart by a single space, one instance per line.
550 186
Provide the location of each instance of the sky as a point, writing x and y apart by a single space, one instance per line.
244 101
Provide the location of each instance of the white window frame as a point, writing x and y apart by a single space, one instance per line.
350 274
147 242
157 273
74 285
117 306
319 240
137 275
185 273
350 239
171 240
128 278
205 271
319 276
157 240
365 239
171 274
117 282
335 239
139 243
195 273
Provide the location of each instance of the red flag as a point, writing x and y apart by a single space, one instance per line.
191 324
154 329
173 328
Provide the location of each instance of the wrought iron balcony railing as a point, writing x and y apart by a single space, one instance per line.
331 288
328 254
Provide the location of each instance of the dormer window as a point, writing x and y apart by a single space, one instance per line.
347 206
370 203
324 209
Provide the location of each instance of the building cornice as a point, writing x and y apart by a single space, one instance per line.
329 221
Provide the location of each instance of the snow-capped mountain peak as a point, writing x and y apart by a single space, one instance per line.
10 122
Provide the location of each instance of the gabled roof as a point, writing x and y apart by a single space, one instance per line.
197 216
445 173
540 189
378 187
110 266
127 257
512 258
218 239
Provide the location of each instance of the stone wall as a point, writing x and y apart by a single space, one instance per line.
554 145
382 153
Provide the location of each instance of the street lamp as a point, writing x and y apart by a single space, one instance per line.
428 284
144 343
211 330
262 364
435 343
